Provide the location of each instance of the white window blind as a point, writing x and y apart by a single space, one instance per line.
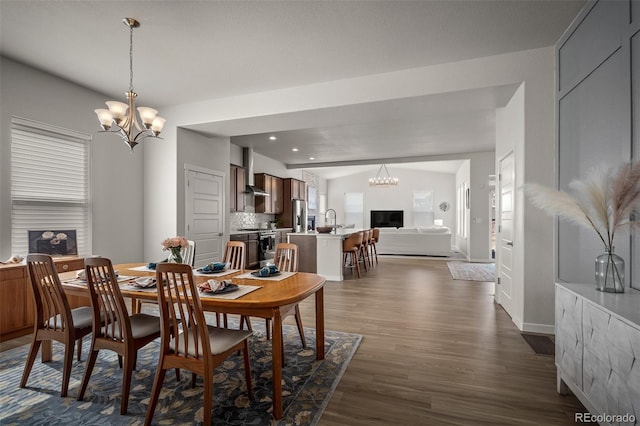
49 183
422 209
354 209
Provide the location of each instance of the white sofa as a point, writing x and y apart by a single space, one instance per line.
435 241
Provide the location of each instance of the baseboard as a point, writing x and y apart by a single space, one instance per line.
538 328
482 260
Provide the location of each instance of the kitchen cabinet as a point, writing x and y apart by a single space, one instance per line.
17 308
272 185
251 254
281 235
294 189
237 187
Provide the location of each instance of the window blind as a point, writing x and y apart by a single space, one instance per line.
49 182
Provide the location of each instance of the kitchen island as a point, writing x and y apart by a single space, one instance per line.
327 254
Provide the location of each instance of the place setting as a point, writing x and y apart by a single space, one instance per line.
224 289
141 284
219 269
268 272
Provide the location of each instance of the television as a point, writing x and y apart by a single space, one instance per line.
387 218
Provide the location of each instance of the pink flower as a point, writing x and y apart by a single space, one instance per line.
175 242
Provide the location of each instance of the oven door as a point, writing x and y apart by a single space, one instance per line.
267 249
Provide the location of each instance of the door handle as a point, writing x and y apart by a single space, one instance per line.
220 234
510 243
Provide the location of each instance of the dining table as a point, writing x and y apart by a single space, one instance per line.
275 298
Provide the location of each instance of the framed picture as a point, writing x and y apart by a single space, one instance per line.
53 242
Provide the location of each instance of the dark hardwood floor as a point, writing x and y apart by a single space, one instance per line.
435 351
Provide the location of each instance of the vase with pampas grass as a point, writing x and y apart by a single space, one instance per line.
607 201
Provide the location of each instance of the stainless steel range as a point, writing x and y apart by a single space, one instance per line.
267 246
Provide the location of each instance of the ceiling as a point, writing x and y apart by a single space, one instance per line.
189 51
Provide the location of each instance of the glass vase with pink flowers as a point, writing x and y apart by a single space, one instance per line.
175 246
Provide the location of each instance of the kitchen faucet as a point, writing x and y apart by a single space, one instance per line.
334 216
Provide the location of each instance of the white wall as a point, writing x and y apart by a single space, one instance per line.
394 198
116 174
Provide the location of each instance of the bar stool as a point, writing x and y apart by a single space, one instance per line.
375 237
351 250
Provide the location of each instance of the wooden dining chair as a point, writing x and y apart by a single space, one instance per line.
188 342
121 333
189 253
54 320
234 255
286 259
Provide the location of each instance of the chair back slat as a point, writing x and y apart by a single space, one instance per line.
234 254
286 257
52 308
183 326
106 300
189 253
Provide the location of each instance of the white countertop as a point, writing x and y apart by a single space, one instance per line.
625 306
341 233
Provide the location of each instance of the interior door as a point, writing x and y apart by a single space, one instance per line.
204 212
506 202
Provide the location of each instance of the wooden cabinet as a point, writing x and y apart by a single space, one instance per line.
251 241
17 308
237 183
597 344
281 235
272 185
294 189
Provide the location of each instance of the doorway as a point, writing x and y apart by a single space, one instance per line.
506 200
204 212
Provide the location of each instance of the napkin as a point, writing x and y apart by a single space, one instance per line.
213 286
215 266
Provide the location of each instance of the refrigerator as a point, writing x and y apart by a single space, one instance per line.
299 215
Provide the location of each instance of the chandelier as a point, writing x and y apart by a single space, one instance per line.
383 179
122 117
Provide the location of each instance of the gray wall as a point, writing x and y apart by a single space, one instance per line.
598 115
116 174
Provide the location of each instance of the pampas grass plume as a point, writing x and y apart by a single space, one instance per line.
607 200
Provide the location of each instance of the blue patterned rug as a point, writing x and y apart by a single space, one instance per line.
307 386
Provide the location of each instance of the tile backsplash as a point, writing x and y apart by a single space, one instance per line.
249 220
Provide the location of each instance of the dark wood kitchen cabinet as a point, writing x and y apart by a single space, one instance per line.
272 185
294 189
251 241
237 183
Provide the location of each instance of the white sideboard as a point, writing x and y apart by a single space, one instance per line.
598 350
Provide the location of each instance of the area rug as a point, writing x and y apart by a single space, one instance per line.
541 345
307 386
472 271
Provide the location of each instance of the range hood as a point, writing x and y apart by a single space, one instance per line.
247 159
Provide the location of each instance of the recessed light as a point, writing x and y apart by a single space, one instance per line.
312 158
272 138
294 149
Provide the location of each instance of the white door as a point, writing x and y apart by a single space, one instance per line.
506 200
204 212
